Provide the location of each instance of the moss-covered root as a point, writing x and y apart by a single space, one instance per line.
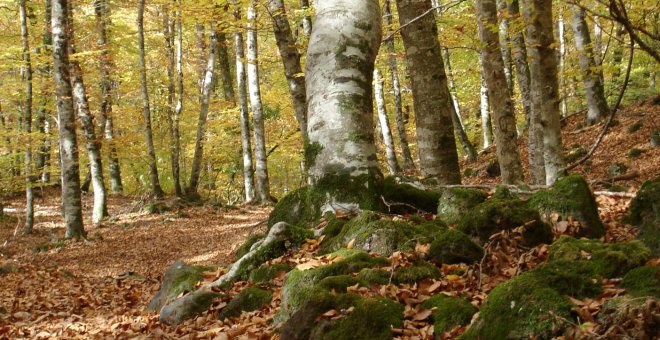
456 202
450 312
452 246
571 197
249 299
187 306
607 260
412 197
645 215
371 319
642 281
247 245
179 278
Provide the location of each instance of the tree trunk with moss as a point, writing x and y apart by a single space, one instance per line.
340 62
435 135
498 94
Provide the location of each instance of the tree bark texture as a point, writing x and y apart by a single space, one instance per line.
42 123
222 54
307 19
505 42
392 163
170 36
27 118
519 55
484 109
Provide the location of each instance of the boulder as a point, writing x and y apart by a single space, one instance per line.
249 299
179 278
449 312
645 215
452 246
370 319
420 270
642 281
456 202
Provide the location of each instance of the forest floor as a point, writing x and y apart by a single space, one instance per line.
100 288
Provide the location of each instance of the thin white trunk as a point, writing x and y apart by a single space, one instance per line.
505 43
307 19
562 66
392 164
486 124
27 118
248 176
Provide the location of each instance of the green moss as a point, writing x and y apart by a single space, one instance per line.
452 246
374 276
635 152
311 151
571 196
495 215
645 215
265 273
642 281
339 283
456 202
179 278
301 323
334 226
633 128
7 269
405 193
419 271
245 247
575 154
371 319
249 299
608 260
504 193
450 312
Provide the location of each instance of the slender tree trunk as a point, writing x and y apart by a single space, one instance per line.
307 19
435 135
486 123
263 183
146 110
452 86
105 123
519 54
392 163
92 144
498 94
396 88
27 118
43 112
562 66
223 68
241 77
291 60
176 140
207 89
505 43
594 91
170 34
617 52
545 94
71 200
339 73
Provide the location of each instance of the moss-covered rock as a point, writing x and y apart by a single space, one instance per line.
570 197
408 194
450 312
334 225
607 260
617 169
249 299
642 281
249 242
371 319
645 215
369 233
265 273
374 276
418 271
495 215
300 324
187 306
454 203
178 278
452 246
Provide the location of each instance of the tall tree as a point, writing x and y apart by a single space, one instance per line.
396 89
170 33
505 42
435 135
594 91
43 123
498 94
484 110
207 89
241 82
263 183
105 121
519 55
545 94
340 62
286 44
27 117
223 67
71 200
146 109
562 64
392 163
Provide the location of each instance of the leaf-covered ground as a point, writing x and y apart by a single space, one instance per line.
100 288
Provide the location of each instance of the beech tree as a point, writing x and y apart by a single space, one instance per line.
27 117
392 163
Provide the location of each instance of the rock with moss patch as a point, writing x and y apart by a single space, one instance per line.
452 246
642 281
178 278
300 324
265 273
370 319
607 260
617 169
495 215
249 299
418 271
626 310
374 276
456 202
449 312
570 197
187 306
405 193
645 215
249 242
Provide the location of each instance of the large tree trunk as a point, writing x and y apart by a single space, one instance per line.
291 60
392 164
519 54
505 42
105 127
223 68
241 77
27 119
146 110
170 34
543 70
263 183
396 88
339 72
597 108
435 135
484 109
498 94
43 112
207 89
71 200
